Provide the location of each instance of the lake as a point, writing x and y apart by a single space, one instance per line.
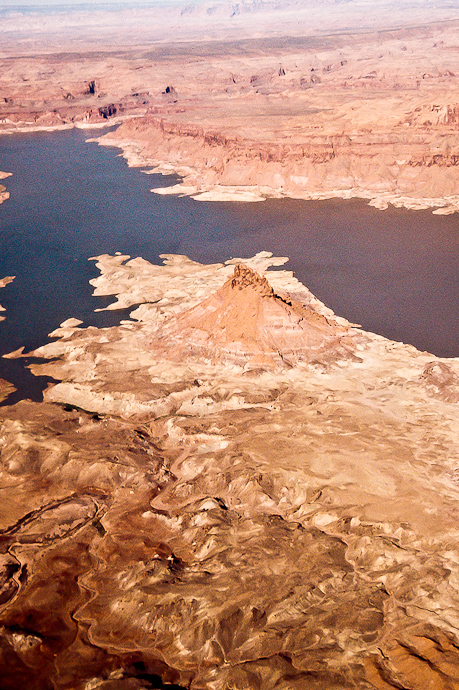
396 272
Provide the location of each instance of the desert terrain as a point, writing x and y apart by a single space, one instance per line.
235 488
367 109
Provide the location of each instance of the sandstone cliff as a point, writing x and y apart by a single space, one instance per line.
366 113
413 171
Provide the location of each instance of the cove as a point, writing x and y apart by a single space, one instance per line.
395 272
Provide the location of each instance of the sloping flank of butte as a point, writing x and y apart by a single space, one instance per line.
236 489
311 100
246 321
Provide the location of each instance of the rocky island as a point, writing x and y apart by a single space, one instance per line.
4 194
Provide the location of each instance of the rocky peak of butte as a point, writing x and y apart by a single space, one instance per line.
247 321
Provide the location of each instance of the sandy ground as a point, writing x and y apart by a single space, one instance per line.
233 488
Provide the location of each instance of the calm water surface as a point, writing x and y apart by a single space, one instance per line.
395 272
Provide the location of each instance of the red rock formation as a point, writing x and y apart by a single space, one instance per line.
401 164
246 322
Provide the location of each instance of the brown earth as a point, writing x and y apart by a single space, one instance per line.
235 488
203 510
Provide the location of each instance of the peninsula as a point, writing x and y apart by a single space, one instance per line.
232 488
315 100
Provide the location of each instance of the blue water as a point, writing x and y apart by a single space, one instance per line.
396 272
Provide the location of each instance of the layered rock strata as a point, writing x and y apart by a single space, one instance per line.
361 112
404 170
237 489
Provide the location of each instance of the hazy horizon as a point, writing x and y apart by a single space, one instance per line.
14 4
34 25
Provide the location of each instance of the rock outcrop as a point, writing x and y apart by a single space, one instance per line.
245 322
371 113
5 387
396 167
211 515
245 325
3 282
4 194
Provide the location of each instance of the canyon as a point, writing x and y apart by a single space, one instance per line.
235 487
370 112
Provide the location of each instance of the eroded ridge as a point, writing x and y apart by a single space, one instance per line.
219 518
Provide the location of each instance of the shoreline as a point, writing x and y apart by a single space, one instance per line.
3 282
213 192
29 129
373 115
4 194
231 432
249 193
